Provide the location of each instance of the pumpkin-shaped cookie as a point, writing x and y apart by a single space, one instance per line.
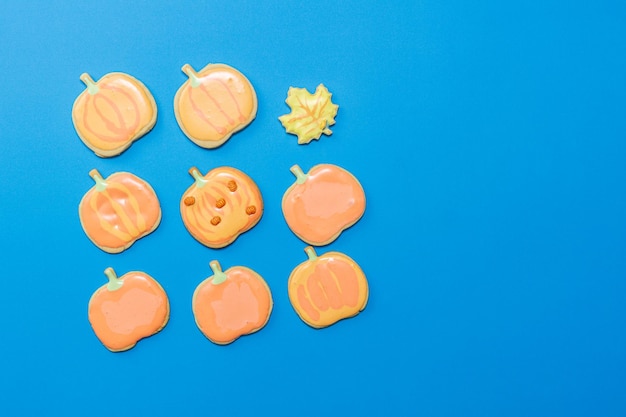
220 205
231 303
322 203
128 309
118 210
327 288
113 112
213 104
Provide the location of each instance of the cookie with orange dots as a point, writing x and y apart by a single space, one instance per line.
127 309
113 112
118 210
231 303
213 104
327 288
220 205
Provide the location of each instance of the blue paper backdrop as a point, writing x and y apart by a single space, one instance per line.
490 138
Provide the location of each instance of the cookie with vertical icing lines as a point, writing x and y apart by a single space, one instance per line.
327 288
118 210
213 104
127 309
220 205
113 112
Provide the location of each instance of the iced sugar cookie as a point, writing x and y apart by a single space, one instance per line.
311 114
231 303
118 210
127 309
213 104
327 288
220 205
322 203
113 112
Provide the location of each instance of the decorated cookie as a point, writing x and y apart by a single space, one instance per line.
327 288
311 114
113 112
231 303
220 205
322 203
127 309
213 104
118 210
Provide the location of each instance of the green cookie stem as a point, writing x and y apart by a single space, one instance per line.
300 175
195 173
192 74
92 87
114 282
218 275
310 251
101 184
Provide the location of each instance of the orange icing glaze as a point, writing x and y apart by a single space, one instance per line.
137 309
214 103
220 205
240 305
113 112
119 210
328 288
328 201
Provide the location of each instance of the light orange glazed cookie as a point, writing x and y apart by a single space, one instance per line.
231 303
213 104
118 210
220 205
127 309
322 203
113 112
327 288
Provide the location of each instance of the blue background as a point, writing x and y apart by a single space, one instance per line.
490 138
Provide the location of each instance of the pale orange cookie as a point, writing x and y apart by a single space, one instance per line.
220 205
213 104
118 210
113 112
327 288
127 309
231 303
322 203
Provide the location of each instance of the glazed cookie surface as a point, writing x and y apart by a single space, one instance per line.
213 104
127 309
113 112
118 210
322 203
327 288
220 206
231 303
311 114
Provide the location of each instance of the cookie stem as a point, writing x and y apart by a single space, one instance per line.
310 251
218 275
192 74
300 175
114 282
92 88
195 173
101 184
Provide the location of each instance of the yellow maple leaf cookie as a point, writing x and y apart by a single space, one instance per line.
311 114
